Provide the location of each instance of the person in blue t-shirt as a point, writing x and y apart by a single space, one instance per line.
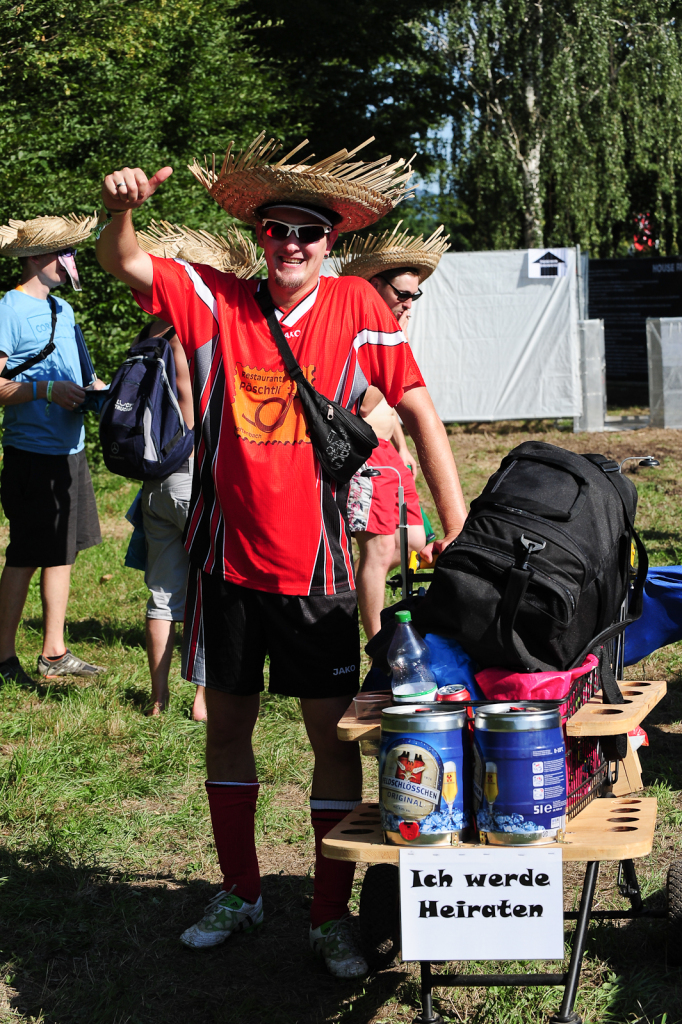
45 486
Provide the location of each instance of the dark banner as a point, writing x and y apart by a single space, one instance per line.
623 293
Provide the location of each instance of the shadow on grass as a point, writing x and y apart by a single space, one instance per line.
83 944
96 631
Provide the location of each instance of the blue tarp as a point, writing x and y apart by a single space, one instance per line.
661 620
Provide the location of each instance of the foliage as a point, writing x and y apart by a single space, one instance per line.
90 85
357 69
566 120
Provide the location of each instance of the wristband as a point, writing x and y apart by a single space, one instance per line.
48 393
113 213
35 390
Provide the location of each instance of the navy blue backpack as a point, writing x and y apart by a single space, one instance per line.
141 428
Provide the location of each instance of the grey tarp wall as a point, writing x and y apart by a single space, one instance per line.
493 343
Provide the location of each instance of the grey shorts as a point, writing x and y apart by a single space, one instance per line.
165 506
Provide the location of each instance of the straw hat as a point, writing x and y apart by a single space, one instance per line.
235 254
45 234
359 193
367 257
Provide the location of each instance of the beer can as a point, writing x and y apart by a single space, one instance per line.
519 774
455 691
424 775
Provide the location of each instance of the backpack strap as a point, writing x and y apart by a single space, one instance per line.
614 747
518 580
43 354
514 593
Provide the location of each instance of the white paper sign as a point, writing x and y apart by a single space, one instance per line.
547 262
487 904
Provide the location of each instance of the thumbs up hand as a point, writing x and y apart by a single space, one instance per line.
129 188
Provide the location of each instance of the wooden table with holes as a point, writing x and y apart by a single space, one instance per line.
620 828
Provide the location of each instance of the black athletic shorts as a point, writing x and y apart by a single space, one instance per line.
51 508
313 642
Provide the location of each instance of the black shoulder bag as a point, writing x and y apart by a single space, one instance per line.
43 354
341 440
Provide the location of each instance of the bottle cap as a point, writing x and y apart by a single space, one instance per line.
403 616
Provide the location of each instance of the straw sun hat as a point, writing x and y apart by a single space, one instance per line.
45 234
358 193
367 257
235 254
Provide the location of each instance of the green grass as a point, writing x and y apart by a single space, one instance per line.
106 851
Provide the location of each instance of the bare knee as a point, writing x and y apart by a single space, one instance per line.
376 550
416 538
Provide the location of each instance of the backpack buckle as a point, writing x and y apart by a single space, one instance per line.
531 546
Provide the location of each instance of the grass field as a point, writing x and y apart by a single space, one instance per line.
107 852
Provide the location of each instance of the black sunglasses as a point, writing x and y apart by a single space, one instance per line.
403 296
305 233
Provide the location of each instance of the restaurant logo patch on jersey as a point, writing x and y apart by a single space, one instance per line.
267 410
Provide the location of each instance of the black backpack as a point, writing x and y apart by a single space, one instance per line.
538 576
141 427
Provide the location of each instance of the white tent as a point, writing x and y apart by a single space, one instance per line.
495 343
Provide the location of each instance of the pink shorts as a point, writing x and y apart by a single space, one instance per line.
373 500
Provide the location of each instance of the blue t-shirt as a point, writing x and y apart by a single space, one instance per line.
25 325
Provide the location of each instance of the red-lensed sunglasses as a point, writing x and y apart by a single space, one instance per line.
305 233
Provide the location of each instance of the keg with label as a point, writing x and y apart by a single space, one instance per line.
519 774
424 775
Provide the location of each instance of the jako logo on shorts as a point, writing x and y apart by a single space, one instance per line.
344 671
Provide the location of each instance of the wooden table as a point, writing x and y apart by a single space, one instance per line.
615 829
593 719
618 828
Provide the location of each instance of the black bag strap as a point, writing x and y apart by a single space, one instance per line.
614 747
612 473
43 354
514 593
610 689
267 308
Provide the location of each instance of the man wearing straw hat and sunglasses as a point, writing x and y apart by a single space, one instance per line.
45 487
271 564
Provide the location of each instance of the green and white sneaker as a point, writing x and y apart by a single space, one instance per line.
224 915
335 943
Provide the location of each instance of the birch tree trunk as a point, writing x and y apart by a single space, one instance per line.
531 165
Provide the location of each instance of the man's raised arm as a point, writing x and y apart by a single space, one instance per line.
117 249
437 463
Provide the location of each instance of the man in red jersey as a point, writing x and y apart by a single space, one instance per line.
271 570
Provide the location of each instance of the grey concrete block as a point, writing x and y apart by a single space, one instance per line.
664 351
593 376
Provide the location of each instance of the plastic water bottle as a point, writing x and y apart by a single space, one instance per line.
410 661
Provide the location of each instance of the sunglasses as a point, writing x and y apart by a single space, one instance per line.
305 233
403 296
67 252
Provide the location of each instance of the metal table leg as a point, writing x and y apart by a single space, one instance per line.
629 886
566 1014
427 1016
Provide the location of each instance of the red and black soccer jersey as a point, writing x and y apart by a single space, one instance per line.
267 517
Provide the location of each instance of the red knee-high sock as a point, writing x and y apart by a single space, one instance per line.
333 878
233 809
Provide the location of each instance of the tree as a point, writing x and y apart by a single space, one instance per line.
352 70
566 120
87 86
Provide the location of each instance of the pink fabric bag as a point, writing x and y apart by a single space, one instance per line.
500 684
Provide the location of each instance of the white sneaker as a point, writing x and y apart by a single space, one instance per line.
224 915
335 943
